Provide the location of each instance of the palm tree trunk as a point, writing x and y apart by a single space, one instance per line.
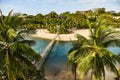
75 74
74 71
91 76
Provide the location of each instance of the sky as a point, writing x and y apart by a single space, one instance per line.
33 7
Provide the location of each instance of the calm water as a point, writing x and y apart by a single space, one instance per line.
40 44
58 56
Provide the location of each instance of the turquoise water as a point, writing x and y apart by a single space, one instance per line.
57 60
58 56
40 44
61 48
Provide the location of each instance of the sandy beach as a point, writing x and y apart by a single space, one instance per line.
43 33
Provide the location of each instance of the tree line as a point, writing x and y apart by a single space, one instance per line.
87 55
68 21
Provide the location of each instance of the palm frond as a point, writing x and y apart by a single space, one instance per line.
98 68
110 60
1 19
21 31
25 39
29 42
80 39
10 74
105 31
7 19
11 35
22 59
90 27
84 64
25 50
22 41
1 44
113 37
71 55
15 22
14 67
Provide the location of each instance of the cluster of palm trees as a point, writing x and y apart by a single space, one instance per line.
87 55
91 55
16 55
67 20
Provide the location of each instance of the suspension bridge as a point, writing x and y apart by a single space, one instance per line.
45 53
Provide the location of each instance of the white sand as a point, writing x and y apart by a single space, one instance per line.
43 33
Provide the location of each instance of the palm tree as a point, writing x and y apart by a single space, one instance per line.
72 54
15 52
93 56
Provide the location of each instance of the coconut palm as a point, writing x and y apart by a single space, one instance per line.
73 52
15 52
93 55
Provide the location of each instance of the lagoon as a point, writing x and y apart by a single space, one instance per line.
57 61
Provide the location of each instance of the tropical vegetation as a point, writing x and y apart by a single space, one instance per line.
67 20
91 55
16 55
88 55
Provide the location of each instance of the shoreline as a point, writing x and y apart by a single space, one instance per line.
43 33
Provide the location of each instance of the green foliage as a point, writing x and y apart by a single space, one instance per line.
66 20
92 55
16 55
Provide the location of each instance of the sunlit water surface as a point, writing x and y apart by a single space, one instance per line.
57 60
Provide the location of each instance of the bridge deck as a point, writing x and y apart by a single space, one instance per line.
45 52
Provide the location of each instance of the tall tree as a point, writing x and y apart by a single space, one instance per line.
99 11
15 52
93 55
72 54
